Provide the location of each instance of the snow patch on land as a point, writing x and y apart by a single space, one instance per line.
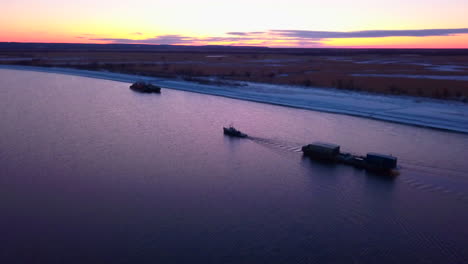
378 62
416 76
425 112
16 59
448 68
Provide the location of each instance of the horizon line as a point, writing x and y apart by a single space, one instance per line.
236 46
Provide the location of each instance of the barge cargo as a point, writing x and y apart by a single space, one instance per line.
331 152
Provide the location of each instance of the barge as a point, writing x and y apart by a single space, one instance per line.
331 152
145 87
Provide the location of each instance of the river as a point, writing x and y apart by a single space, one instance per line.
91 172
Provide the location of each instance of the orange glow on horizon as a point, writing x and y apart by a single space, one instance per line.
451 42
456 41
208 22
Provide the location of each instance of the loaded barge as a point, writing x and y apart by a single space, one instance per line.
331 152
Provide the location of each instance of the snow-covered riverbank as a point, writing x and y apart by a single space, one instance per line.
425 112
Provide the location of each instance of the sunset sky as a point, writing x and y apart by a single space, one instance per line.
292 23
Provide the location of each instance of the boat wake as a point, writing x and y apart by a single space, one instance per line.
422 178
432 179
278 145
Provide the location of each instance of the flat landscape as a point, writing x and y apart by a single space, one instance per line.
441 74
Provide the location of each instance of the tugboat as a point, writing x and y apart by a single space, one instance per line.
231 131
145 87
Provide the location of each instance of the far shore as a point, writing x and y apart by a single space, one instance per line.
416 111
439 74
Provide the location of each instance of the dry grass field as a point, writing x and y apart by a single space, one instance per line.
444 77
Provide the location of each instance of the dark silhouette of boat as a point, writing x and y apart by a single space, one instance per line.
330 152
145 87
231 131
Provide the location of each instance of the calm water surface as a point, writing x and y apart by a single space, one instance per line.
91 172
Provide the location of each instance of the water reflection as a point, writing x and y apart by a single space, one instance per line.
93 173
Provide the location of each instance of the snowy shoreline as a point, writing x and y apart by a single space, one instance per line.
425 112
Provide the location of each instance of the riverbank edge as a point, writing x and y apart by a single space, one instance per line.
227 91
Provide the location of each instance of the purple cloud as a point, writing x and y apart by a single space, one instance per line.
174 39
238 33
162 40
246 33
305 38
306 34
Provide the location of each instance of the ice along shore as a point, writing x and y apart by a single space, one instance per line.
425 112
